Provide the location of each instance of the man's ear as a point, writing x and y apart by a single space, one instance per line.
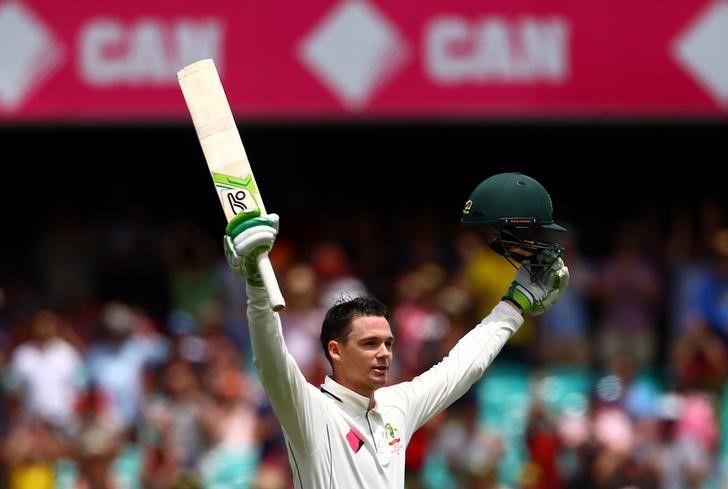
334 351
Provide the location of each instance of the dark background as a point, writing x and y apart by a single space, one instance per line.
597 173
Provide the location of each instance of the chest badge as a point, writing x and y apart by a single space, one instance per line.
393 437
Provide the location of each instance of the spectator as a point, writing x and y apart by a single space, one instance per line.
301 319
629 289
101 439
564 330
173 426
117 361
47 371
462 453
232 424
31 450
680 461
711 302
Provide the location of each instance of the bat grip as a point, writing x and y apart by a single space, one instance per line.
271 283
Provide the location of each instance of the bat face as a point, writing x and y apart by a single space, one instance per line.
220 140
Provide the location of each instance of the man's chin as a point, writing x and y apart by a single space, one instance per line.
379 380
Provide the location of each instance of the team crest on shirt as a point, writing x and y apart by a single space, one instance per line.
393 438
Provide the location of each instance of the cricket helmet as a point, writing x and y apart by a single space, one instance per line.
516 214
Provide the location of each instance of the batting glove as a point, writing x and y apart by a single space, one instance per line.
247 237
536 296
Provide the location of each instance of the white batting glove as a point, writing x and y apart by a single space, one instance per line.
535 297
246 242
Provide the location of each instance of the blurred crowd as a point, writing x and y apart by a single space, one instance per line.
126 363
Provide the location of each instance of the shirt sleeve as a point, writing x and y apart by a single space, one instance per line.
297 404
432 391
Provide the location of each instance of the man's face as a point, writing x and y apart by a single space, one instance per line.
45 325
361 363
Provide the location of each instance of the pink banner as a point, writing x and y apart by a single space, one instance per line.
366 59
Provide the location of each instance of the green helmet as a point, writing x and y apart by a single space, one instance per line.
516 210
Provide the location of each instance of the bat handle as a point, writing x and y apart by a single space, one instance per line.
268 275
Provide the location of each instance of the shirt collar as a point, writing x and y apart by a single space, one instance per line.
345 396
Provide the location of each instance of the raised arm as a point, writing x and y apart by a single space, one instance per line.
434 390
297 403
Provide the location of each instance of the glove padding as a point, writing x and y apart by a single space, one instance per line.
535 297
248 240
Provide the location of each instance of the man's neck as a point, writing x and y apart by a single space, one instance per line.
369 394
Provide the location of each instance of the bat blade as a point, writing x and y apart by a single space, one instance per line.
224 152
219 137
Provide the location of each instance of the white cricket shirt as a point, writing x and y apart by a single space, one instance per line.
334 440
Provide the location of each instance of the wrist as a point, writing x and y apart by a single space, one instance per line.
517 295
513 304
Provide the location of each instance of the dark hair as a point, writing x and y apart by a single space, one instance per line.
338 319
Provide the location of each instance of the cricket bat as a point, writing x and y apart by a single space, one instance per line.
226 158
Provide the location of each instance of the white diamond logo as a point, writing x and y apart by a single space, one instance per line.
702 49
29 52
354 50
